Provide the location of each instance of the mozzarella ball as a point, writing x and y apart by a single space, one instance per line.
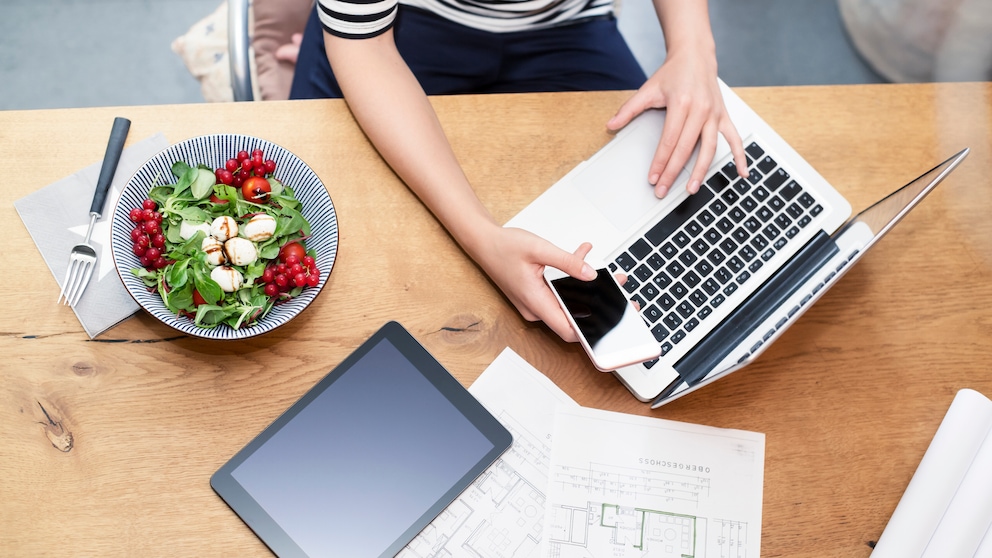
240 251
187 230
228 278
214 250
223 228
260 227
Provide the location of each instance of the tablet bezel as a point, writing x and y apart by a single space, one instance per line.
267 529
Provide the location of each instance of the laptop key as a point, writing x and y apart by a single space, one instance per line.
747 253
668 250
660 333
631 285
718 182
718 207
704 268
665 302
678 291
688 258
700 246
693 228
672 320
662 280
653 314
691 324
705 218
698 298
754 150
776 179
766 164
626 262
643 272
649 291
791 190
691 279
685 210
675 269
710 286
656 261
794 210
640 249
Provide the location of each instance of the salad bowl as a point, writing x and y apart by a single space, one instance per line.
213 151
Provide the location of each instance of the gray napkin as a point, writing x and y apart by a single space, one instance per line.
57 217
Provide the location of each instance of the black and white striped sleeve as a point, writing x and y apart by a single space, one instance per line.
357 19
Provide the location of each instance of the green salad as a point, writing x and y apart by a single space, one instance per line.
223 246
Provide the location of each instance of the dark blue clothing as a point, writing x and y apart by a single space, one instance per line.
449 58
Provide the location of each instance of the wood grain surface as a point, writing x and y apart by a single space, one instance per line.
107 445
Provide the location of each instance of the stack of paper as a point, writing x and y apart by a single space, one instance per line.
946 510
609 484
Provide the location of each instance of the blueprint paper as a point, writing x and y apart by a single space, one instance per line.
501 515
624 485
946 509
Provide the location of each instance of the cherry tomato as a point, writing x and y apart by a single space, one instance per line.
215 199
292 249
256 189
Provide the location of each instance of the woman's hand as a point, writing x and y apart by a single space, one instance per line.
686 86
515 260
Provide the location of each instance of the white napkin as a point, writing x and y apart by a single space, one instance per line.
57 217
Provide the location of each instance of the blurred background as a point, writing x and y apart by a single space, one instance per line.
83 53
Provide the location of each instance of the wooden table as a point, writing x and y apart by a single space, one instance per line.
107 445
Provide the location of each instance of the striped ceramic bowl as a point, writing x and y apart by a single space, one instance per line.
213 151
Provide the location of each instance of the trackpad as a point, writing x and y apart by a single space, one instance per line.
622 194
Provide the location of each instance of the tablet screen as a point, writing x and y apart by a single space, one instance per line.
367 458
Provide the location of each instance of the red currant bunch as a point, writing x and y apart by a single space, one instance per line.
238 169
291 270
147 235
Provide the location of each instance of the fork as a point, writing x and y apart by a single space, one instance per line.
82 258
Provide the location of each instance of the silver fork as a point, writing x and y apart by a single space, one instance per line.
82 258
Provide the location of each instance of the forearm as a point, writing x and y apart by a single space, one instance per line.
394 112
686 26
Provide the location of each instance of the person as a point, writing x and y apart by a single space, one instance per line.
385 57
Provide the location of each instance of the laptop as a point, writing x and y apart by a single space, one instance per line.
718 275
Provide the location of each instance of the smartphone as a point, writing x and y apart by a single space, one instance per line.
610 329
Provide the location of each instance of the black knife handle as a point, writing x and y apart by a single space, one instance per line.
114 148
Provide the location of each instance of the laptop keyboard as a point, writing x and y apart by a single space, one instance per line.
703 254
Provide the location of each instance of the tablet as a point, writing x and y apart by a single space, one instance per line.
367 458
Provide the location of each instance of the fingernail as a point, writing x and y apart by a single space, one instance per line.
588 272
693 187
653 179
660 191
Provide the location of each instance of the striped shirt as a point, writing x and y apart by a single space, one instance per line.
360 19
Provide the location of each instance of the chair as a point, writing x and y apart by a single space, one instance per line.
231 52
